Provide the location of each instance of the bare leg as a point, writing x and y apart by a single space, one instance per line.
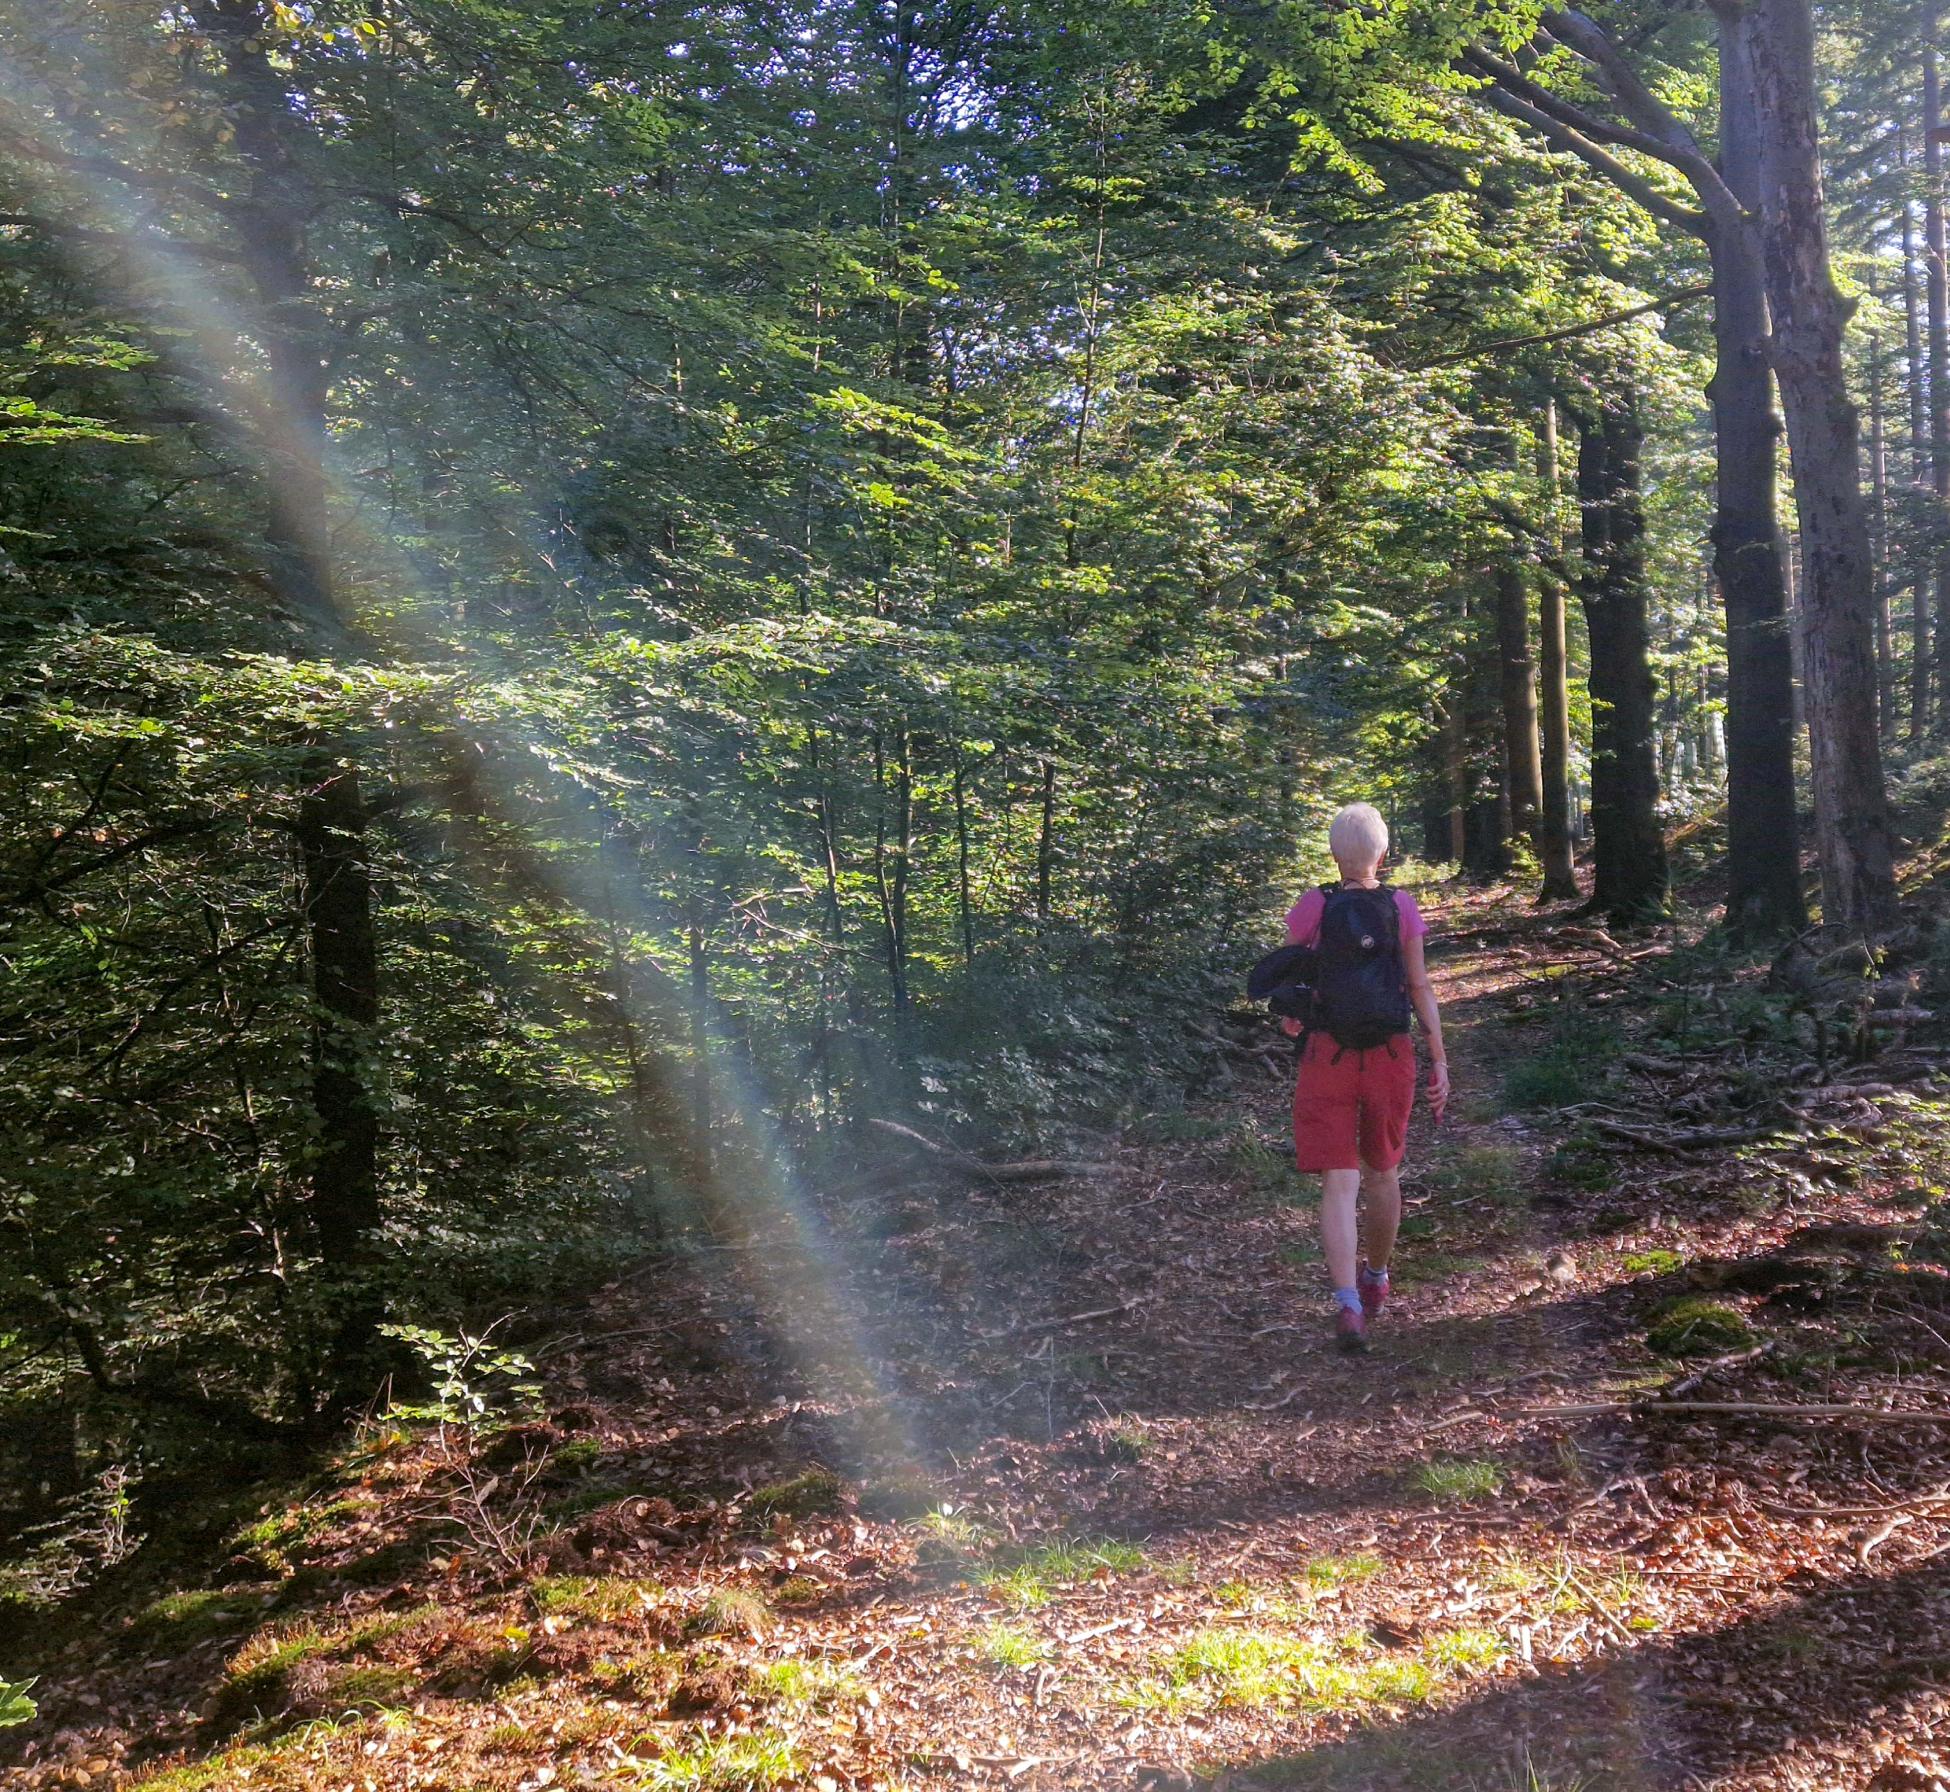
1381 1196
1339 1191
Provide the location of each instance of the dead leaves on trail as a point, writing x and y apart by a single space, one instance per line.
1082 1498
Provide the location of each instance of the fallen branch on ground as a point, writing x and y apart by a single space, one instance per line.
1820 1409
1034 1169
1698 1139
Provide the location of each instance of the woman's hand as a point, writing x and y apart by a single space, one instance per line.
1438 1088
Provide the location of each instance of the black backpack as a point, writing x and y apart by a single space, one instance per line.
1350 984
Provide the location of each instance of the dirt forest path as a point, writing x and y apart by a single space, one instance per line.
1059 1484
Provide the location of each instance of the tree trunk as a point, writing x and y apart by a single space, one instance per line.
1554 828
1936 288
1630 849
290 421
1046 844
345 1208
1919 431
1523 769
1851 806
1879 541
1763 830
1455 770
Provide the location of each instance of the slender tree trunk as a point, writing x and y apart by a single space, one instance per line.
1851 805
1455 772
291 424
962 896
1936 288
1523 770
1046 844
345 1205
1554 832
1919 460
1630 851
1879 541
1763 830
890 879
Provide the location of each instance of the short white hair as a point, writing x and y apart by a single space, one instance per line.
1358 834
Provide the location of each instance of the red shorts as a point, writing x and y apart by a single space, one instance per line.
1350 1108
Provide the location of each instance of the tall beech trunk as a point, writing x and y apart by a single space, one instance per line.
268 218
1632 882
1879 541
1936 289
1763 831
1554 748
1919 459
1851 805
1523 774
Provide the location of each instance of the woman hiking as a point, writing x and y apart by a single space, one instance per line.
1357 1060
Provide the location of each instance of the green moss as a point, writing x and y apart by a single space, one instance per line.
804 1495
649 1675
576 1457
178 1621
214 1775
1654 1263
601 1597
369 1687
1692 1326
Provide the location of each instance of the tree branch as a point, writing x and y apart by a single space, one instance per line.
1665 302
119 239
1650 113
1634 186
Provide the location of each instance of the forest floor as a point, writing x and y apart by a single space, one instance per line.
1060 1484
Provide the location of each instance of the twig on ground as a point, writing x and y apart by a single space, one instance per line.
1780 1409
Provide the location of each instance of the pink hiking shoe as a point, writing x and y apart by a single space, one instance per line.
1350 1331
1373 1284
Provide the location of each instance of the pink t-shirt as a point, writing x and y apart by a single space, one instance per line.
1303 918
1303 926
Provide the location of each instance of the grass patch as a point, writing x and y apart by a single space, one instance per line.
1033 1578
1267 1167
794 1681
1234 1667
1459 1478
1693 1326
731 1611
603 1597
1580 1163
1571 1065
1129 1440
1340 1571
804 1495
1475 1170
733 1764
1464 1649
1013 1646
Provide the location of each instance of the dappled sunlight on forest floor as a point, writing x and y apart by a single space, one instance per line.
1143 1527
